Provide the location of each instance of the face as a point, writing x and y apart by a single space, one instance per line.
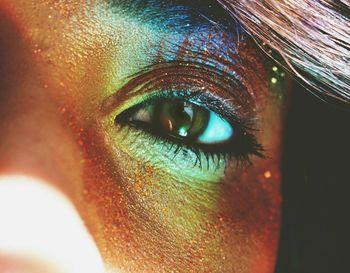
159 121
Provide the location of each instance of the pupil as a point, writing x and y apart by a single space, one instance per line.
182 118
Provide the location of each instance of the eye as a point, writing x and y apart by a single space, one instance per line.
184 114
192 122
180 120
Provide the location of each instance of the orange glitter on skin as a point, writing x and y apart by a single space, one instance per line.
267 174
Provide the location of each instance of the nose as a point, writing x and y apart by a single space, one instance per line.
34 137
40 224
40 229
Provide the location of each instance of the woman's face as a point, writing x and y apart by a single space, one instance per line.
159 120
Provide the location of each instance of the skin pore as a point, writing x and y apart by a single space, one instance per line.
153 203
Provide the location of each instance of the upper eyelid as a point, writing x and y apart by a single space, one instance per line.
238 97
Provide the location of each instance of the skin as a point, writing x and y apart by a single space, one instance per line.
61 64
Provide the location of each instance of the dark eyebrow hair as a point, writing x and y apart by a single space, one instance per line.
192 13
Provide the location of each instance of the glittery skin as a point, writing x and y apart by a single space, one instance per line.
148 210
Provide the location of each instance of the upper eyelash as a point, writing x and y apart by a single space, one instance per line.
192 97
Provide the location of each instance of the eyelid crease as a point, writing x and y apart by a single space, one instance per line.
183 74
227 58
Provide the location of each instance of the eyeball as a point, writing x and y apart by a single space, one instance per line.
218 130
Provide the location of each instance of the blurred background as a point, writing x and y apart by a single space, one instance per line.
316 187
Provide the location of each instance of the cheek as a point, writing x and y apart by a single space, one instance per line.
146 219
249 204
250 214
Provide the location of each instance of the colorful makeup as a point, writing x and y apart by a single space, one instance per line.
171 107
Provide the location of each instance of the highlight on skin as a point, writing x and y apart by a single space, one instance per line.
30 232
155 202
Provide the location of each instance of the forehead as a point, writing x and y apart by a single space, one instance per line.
176 14
192 13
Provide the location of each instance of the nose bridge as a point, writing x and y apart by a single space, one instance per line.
36 143
31 131
34 139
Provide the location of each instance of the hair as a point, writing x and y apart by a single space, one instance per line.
311 36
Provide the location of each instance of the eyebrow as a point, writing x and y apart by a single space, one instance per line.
179 13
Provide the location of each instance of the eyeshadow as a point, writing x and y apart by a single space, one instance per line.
179 14
197 30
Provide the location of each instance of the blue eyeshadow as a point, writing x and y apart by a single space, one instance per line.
178 14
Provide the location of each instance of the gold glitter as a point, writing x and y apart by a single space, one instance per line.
267 174
273 80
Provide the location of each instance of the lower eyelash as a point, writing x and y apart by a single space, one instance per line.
185 151
204 159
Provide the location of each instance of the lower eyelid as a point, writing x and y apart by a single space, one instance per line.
167 156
